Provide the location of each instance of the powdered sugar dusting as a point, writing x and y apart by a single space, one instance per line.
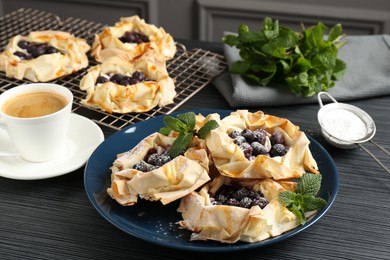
344 125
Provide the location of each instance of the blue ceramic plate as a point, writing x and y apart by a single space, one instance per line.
155 223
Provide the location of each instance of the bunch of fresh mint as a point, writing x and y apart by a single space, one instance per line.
184 124
304 198
305 60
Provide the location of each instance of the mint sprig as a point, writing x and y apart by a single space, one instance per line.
184 124
306 61
304 198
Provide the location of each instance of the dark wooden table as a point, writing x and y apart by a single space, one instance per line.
53 218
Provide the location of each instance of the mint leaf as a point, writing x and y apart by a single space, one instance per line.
287 197
230 40
299 213
210 125
175 124
310 202
306 61
184 124
304 198
240 67
188 119
309 184
335 32
165 130
243 28
339 69
182 140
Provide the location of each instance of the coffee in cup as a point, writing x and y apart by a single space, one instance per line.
34 104
36 117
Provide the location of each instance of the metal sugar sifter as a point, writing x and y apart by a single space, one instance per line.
346 126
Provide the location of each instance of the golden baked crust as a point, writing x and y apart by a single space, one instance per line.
231 161
140 97
167 183
229 224
233 199
70 58
107 43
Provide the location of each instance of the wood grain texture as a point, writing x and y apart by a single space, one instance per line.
53 218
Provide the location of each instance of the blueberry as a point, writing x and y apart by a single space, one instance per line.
50 50
133 37
141 166
215 202
278 150
259 135
248 135
241 193
22 55
221 198
233 202
116 78
130 37
37 51
133 81
276 138
145 38
23 44
152 158
31 47
239 140
258 148
153 168
234 134
261 202
138 75
161 160
246 149
254 194
246 202
124 82
101 80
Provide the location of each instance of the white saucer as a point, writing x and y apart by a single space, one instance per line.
83 137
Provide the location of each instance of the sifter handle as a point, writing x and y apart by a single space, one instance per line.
327 94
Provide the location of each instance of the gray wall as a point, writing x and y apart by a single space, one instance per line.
208 19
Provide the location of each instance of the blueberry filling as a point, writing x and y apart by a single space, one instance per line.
239 196
34 50
135 78
134 37
252 143
155 158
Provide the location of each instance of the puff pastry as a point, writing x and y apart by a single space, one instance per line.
223 196
170 182
108 43
229 224
139 97
71 56
231 161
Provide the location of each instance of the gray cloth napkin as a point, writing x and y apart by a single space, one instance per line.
367 75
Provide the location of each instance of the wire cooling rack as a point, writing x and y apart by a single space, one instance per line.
192 70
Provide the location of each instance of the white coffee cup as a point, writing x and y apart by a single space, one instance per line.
37 138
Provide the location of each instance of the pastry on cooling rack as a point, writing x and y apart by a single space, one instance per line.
43 56
256 145
148 172
231 210
121 86
132 37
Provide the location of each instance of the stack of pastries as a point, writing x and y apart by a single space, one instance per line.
228 192
131 75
